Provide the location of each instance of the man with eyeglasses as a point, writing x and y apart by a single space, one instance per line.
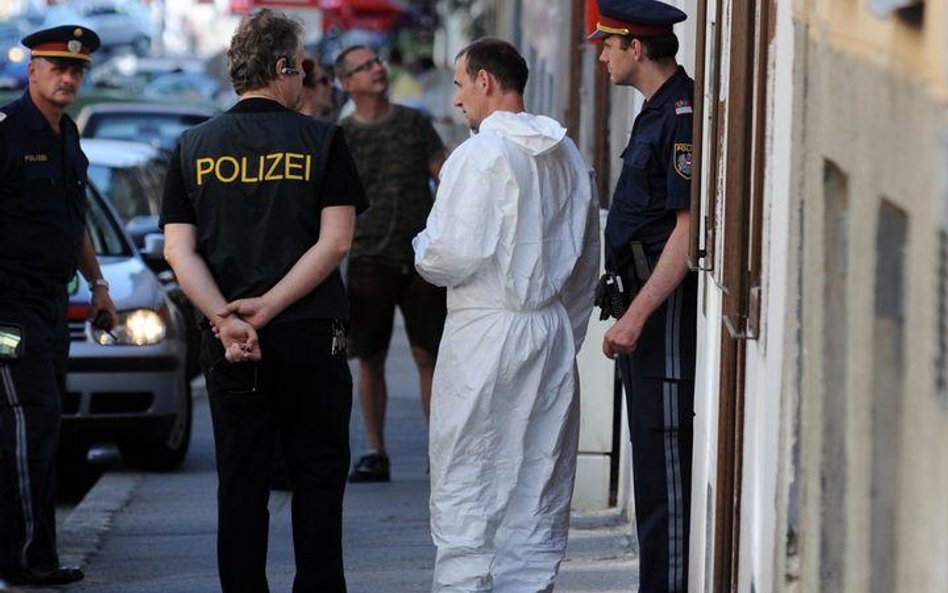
258 212
398 153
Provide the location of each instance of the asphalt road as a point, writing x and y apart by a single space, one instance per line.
156 532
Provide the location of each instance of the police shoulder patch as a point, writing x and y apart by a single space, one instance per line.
681 158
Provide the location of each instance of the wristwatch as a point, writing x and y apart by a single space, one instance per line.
98 282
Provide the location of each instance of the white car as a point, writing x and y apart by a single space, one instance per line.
118 23
128 386
157 124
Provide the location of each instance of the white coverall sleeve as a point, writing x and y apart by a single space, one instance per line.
580 287
463 227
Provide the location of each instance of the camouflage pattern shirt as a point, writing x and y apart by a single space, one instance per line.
393 159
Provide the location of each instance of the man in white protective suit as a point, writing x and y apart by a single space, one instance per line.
514 236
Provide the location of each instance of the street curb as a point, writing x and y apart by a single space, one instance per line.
86 526
81 534
611 517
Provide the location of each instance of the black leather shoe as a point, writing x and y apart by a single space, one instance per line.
62 575
371 468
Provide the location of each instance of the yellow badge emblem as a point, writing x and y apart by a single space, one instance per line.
77 33
681 157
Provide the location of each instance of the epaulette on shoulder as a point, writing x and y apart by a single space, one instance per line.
683 106
9 110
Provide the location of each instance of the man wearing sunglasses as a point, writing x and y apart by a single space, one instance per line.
318 97
398 152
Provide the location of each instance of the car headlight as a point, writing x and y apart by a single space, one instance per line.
141 327
16 54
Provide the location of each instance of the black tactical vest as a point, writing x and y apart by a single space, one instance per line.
254 179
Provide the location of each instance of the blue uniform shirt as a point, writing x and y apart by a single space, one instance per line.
42 197
656 172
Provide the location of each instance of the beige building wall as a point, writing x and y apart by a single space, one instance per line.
845 460
870 158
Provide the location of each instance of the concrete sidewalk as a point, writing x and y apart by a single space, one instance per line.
144 533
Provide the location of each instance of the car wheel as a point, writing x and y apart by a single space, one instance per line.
169 451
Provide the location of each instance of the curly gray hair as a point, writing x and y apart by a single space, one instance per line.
261 39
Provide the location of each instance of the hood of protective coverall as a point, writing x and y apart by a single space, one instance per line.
537 134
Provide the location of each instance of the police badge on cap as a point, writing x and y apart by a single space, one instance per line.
68 42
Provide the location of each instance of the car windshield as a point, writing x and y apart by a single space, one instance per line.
161 130
107 238
132 191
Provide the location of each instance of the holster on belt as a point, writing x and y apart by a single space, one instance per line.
640 265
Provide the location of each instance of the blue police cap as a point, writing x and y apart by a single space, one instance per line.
635 17
68 42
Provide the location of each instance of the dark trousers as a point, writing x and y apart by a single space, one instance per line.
302 393
30 406
659 386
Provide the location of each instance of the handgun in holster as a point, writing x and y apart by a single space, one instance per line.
613 295
610 296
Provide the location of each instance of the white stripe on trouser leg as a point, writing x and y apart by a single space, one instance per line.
676 333
22 462
672 461
673 490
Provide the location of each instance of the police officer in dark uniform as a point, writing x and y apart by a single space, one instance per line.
258 212
646 237
43 240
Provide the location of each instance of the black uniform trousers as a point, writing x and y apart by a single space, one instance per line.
659 385
302 393
31 389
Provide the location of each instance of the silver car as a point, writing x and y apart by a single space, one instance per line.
131 176
129 385
156 124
